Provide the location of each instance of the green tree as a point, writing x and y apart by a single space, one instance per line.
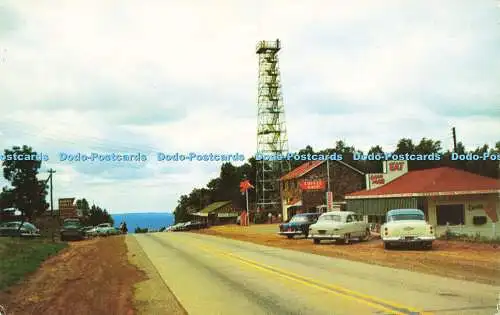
404 146
181 211
28 193
97 215
83 205
7 198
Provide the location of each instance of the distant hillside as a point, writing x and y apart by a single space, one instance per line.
144 220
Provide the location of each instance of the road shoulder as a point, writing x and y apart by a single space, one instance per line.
152 296
459 260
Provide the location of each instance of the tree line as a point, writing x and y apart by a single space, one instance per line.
226 185
28 194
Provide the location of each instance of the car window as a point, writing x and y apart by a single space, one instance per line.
349 218
29 226
71 223
330 217
299 218
406 216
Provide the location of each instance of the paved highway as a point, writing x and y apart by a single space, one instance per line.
211 275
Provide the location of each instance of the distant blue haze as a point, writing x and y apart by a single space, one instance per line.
144 220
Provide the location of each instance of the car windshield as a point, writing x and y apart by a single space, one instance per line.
71 223
299 218
406 216
330 217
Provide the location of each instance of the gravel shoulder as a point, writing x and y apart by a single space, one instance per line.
458 260
152 296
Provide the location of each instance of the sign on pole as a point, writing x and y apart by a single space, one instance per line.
312 185
329 200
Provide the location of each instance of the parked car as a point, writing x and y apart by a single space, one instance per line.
298 225
194 225
341 226
177 227
407 226
19 228
104 229
114 231
72 229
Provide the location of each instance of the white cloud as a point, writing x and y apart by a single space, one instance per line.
182 76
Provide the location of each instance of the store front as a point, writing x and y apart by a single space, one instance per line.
451 199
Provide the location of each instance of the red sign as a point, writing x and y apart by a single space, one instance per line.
377 179
312 185
396 166
245 185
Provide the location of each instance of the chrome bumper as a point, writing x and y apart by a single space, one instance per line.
408 239
325 236
290 233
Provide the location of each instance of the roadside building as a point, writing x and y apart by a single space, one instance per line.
305 188
220 212
450 198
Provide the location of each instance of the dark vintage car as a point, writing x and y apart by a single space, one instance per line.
72 229
298 225
19 228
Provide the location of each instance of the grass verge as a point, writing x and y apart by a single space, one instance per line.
477 238
19 257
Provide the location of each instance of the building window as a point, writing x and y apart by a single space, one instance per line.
451 214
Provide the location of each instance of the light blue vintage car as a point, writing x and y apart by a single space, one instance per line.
407 226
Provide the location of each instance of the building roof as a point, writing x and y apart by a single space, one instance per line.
432 182
214 206
309 166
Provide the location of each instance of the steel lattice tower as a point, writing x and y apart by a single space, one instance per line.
271 130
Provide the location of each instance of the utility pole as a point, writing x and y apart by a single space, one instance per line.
454 139
51 172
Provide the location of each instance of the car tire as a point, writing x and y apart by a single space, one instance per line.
387 245
366 237
63 239
428 245
347 238
289 236
316 241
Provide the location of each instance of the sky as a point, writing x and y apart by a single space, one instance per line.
181 76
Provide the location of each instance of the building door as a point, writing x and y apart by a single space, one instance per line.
452 214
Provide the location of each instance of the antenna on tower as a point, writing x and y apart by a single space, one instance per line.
271 129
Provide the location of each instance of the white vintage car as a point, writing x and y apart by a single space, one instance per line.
341 226
407 226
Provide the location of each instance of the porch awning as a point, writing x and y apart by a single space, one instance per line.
200 214
227 215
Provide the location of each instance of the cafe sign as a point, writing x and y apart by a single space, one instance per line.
312 185
377 179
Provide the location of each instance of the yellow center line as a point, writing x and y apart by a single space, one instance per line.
372 301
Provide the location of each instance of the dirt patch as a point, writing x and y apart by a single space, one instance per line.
459 260
152 296
89 277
